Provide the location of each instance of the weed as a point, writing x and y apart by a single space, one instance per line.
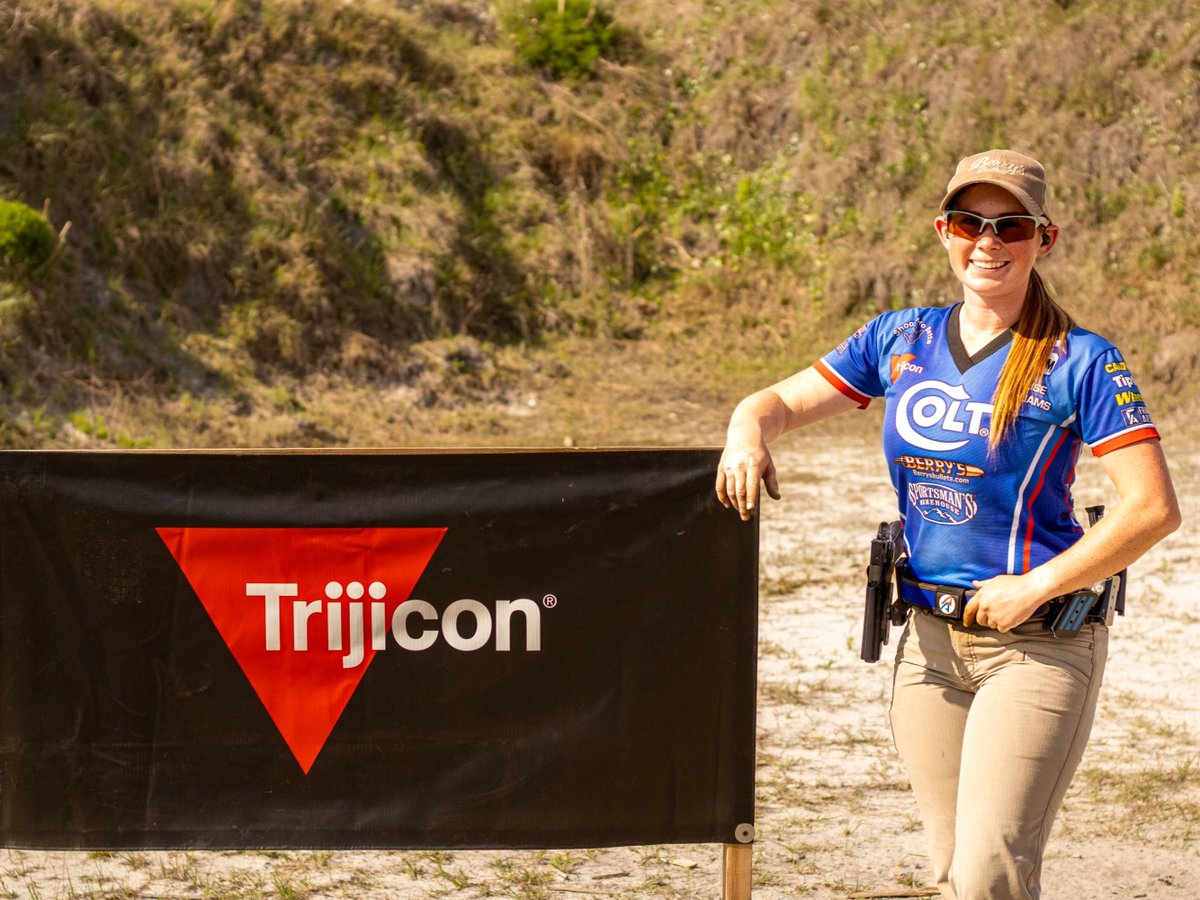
286 889
566 38
26 238
565 861
440 860
521 879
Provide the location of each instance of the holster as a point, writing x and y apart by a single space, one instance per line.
880 612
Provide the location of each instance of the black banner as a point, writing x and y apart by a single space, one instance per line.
376 650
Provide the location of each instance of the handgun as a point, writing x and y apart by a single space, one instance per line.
880 613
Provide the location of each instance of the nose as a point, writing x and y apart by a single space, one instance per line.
989 233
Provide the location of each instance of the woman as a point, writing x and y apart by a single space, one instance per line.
988 402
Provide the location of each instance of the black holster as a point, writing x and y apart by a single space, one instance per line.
882 611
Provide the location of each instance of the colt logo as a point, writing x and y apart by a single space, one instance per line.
936 405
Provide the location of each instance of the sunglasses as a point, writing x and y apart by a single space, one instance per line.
1009 229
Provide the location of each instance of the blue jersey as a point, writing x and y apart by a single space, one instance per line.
969 516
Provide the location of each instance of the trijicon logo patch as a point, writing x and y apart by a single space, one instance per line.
301 610
903 362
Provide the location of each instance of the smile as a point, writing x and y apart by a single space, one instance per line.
988 263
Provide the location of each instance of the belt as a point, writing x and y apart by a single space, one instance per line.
946 601
1064 615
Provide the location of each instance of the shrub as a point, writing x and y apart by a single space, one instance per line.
26 238
562 37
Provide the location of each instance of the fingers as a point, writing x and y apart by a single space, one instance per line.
731 487
748 489
970 611
737 483
989 616
771 483
732 482
722 493
728 491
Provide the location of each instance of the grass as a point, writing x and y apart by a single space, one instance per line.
736 187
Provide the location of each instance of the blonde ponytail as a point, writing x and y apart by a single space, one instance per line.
1042 324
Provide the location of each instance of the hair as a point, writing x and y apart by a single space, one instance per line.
1042 325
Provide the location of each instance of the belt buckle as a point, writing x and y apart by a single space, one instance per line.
948 604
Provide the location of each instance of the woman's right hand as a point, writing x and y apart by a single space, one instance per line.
805 397
743 463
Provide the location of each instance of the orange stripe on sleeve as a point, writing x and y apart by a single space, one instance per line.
1124 439
841 384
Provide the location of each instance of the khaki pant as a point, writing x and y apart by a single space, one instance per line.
991 728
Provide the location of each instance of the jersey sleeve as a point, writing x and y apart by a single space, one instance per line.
853 366
1112 411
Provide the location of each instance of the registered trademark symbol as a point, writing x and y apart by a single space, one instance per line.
549 601
983 432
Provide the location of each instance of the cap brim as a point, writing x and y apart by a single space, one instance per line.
1022 196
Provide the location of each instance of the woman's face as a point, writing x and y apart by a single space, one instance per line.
987 267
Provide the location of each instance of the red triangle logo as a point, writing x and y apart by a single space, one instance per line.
303 610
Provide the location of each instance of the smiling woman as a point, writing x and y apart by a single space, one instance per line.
995 267
988 403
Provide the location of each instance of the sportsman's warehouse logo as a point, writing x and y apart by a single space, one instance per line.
931 413
942 505
305 610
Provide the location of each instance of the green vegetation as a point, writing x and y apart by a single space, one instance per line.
329 201
26 238
564 38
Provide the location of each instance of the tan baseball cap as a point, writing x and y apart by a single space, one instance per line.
1020 175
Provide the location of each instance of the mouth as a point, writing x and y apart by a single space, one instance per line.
989 265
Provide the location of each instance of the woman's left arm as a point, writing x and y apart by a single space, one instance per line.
1147 513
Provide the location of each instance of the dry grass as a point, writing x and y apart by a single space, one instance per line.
268 194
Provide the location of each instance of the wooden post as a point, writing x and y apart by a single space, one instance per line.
735 871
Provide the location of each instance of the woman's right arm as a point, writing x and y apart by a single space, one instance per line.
802 399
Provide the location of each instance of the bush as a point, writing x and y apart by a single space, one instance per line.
26 238
562 37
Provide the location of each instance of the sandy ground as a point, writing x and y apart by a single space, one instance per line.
835 818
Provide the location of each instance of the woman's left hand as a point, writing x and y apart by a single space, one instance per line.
1148 512
1002 603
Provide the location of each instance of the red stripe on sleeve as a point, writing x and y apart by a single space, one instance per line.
841 384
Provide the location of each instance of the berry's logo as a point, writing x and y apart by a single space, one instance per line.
304 610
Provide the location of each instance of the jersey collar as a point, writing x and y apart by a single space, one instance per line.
958 352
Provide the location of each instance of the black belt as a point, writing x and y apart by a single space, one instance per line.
1063 615
946 601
